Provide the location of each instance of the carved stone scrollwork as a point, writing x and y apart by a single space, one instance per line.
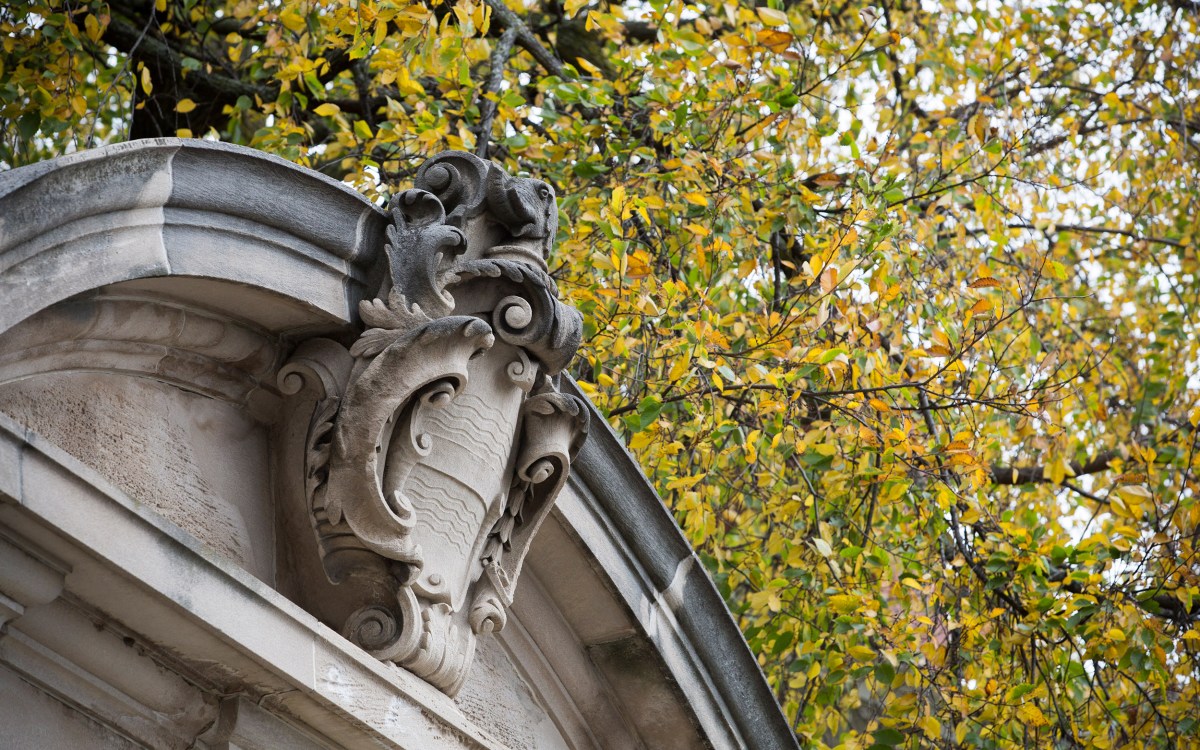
436 443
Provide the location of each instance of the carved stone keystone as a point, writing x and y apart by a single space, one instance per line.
436 443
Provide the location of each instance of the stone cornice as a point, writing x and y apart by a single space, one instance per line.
162 208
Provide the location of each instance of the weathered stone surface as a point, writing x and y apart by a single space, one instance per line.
200 463
33 719
502 703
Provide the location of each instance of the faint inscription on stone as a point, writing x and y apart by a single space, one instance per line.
186 456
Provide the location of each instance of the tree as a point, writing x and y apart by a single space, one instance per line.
897 304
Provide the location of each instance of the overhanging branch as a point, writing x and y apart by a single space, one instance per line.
504 17
1012 475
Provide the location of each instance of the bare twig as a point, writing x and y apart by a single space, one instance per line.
488 105
507 19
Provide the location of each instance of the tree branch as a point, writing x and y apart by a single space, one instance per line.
1102 230
507 19
129 39
488 106
1012 475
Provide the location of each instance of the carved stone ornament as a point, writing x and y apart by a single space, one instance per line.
436 443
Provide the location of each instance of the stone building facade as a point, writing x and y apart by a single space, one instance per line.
280 468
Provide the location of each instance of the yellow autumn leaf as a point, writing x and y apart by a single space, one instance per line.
986 281
931 727
1121 507
1134 492
292 20
776 41
772 17
185 105
1058 470
618 196
589 67
862 653
844 603
978 126
94 31
1032 715
573 6
829 280
678 369
982 307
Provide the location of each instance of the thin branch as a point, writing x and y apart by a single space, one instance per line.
488 105
1102 230
507 19
1012 475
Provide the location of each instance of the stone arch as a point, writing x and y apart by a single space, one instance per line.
149 293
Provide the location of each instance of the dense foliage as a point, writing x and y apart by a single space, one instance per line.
897 304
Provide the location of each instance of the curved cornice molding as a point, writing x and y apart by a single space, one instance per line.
190 349
171 207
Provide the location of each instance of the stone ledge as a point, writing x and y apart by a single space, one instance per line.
213 618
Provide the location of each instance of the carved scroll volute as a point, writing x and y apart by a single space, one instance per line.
552 432
437 442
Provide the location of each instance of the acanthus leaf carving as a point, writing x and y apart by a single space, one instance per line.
438 440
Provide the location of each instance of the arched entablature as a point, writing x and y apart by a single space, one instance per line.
318 438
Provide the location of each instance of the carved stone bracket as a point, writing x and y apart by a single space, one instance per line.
436 443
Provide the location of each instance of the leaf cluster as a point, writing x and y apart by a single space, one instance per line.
897 304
